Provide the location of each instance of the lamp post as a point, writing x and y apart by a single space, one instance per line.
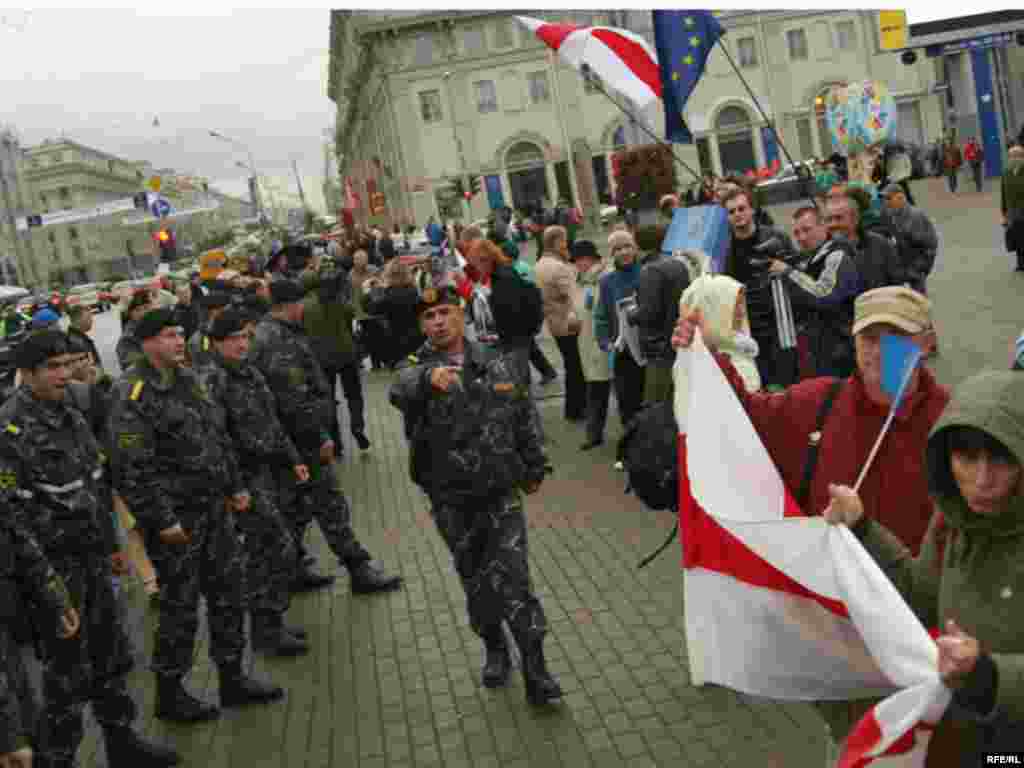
447 76
254 176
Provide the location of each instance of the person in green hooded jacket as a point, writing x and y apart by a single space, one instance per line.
969 577
1011 202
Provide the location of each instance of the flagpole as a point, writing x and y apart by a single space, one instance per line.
885 427
596 81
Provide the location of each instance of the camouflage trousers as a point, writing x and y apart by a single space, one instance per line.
89 667
17 702
487 539
321 499
211 564
270 551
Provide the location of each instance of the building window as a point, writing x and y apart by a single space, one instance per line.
540 90
504 34
430 106
796 39
424 51
486 96
748 52
846 36
473 41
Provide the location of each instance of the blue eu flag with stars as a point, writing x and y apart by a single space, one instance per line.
683 40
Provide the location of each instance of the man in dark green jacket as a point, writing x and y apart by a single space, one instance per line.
328 319
1012 202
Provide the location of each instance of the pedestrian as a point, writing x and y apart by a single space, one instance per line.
282 353
975 156
821 431
81 324
395 301
952 159
174 466
1011 201
475 449
556 278
129 348
967 578
596 372
187 309
26 577
916 238
198 348
56 487
517 307
262 447
874 253
372 329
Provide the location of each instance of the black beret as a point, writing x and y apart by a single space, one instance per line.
229 323
582 249
40 346
285 292
155 321
216 299
434 297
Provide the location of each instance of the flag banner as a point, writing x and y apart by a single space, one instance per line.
786 606
683 40
900 356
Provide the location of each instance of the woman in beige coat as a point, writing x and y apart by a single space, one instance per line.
596 370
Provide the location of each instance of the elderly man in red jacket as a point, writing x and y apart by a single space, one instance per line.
895 490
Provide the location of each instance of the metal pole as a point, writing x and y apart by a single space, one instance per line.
455 144
573 186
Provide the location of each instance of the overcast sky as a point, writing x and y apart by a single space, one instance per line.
103 76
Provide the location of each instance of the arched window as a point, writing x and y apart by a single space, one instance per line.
524 154
732 118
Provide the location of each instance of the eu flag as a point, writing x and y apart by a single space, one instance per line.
684 40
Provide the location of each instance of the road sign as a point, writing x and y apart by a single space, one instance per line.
154 183
161 208
892 26
75 214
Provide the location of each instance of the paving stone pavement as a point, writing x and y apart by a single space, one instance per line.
393 680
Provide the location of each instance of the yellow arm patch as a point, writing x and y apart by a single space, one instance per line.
129 439
137 390
13 429
8 481
206 343
413 359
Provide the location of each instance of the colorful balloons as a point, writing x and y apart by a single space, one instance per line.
860 115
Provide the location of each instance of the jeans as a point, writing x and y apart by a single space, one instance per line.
976 169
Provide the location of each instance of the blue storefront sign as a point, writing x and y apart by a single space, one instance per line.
771 147
973 44
984 88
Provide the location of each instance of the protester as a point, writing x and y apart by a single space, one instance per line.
129 348
395 300
556 278
517 307
874 254
82 322
952 159
1011 201
916 238
474 455
596 372
975 156
967 578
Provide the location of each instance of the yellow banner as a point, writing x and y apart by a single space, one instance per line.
892 26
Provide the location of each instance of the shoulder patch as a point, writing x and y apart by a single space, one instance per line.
13 428
137 390
206 343
413 359
8 480
504 387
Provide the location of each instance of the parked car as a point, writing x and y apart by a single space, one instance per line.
792 183
87 295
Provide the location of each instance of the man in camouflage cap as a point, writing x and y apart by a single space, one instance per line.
54 484
199 345
263 449
475 447
175 468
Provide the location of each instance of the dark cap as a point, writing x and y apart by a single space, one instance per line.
435 297
216 299
155 321
285 292
40 346
583 249
231 322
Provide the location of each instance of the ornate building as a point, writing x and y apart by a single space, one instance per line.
422 96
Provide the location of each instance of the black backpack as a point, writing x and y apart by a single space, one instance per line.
650 457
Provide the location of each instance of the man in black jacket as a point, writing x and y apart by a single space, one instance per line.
874 254
748 262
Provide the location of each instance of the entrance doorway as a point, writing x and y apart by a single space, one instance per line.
735 141
562 180
604 189
524 163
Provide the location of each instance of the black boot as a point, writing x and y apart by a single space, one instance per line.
498 663
270 637
369 576
238 690
541 686
127 749
299 632
176 704
308 581
362 440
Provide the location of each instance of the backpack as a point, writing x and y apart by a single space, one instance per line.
649 452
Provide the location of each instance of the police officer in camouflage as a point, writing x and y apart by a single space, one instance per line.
26 576
175 468
282 352
55 484
475 447
199 345
263 449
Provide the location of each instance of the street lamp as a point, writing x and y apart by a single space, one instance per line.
447 76
253 184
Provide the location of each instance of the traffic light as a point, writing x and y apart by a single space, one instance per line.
468 196
474 184
167 244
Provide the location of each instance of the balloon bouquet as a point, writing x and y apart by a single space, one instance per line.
861 117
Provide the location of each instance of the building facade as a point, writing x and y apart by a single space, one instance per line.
424 97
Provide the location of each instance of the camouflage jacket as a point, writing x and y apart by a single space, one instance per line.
199 351
94 402
282 353
169 444
250 413
53 477
480 438
128 350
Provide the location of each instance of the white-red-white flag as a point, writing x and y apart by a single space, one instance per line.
787 606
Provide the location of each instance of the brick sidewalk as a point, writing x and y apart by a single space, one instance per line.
394 680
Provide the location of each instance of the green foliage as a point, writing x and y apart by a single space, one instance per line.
215 240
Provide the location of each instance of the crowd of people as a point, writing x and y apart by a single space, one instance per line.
198 465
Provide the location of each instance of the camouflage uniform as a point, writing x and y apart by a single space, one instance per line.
173 464
263 449
471 449
24 570
281 351
128 349
199 349
55 486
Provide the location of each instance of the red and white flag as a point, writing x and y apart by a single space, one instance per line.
786 606
622 59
